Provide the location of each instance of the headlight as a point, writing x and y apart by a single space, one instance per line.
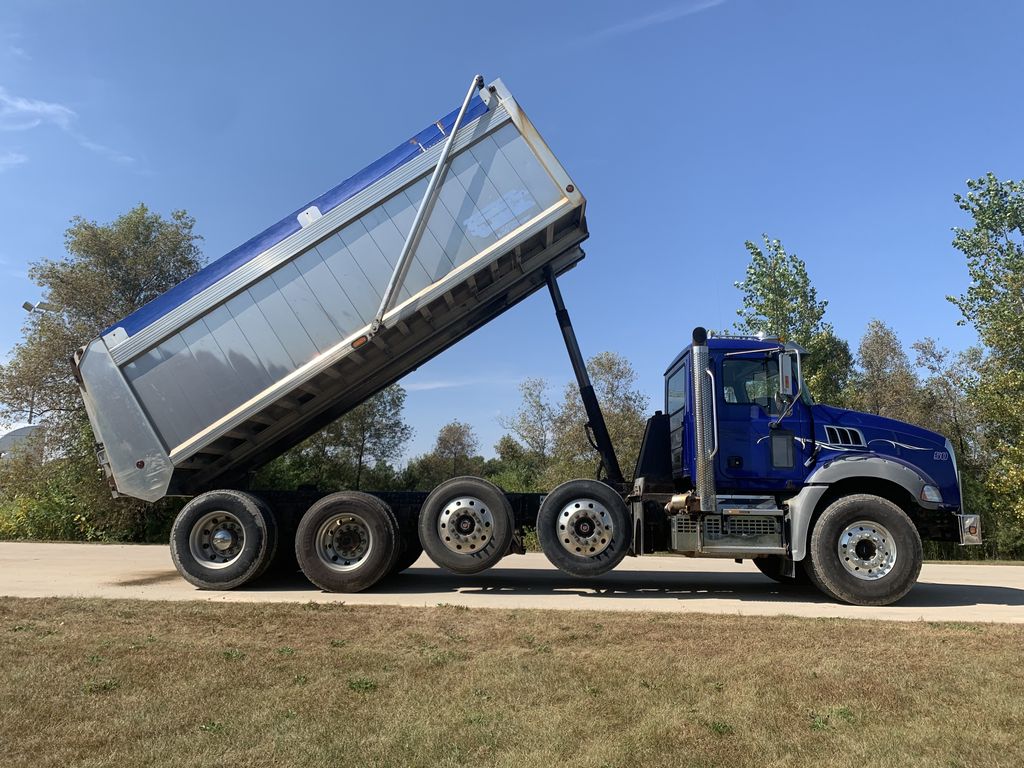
932 494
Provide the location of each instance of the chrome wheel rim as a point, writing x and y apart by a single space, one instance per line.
867 550
585 528
344 541
216 539
465 525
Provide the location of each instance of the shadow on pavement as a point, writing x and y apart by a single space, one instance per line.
750 587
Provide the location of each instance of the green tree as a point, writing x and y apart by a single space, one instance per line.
994 304
533 424
109 271
779 300
360 446
455 453
515 468
885 382
551 437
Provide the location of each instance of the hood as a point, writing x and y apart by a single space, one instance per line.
928 452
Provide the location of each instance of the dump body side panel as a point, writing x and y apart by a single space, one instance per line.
257 351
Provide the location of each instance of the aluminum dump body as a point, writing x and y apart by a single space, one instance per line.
263 347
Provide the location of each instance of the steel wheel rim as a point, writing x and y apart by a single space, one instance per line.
465 525
867 550
585 527
216 539
344 542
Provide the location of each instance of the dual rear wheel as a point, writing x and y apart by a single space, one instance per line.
348 541
224 539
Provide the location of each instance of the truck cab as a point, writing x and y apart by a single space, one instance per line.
755 466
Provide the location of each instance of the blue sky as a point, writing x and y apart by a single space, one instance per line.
842 128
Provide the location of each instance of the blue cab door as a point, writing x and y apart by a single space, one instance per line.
752 457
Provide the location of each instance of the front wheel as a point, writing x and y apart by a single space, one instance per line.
864 550
584 528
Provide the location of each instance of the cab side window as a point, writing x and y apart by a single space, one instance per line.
751 382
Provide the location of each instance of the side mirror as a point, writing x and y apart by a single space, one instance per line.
787 380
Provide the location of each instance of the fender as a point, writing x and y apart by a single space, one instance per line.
860 465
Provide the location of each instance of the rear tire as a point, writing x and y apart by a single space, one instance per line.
271 558
410 551
347 542
584 528
864 550
465 525
223 539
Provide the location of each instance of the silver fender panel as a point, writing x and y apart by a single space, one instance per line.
802 506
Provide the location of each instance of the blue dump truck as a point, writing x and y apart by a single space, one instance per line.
270 343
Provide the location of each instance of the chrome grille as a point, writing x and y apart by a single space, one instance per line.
753 526
685 524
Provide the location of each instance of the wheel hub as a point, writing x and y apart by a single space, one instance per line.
222 540
343 542
867 550
216 539
465 525
585 528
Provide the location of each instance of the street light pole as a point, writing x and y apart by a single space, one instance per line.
40 307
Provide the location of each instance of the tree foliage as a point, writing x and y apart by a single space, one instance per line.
779 300
359 450
553 443
885 382
994 304
455 453
108 271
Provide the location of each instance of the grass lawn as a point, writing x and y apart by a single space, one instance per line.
100 682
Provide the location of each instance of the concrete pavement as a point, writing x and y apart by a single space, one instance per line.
676 584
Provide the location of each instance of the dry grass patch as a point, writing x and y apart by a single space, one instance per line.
99 682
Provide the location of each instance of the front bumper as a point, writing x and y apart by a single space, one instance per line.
970 529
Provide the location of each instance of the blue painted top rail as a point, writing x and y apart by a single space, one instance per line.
228 263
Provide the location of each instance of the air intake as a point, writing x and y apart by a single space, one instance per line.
844 436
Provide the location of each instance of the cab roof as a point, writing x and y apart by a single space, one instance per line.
731 344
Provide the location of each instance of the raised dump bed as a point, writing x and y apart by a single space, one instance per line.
287 332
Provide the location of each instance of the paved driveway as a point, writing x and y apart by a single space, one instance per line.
678 584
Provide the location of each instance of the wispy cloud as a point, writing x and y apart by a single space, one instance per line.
105 151
19 113
9 160
665 16
430 385
11 48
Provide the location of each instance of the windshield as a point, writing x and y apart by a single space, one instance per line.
805 394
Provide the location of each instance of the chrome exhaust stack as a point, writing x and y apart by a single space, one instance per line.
704 420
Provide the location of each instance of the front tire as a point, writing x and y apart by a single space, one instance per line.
223 539
864 550
347 542
584 528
